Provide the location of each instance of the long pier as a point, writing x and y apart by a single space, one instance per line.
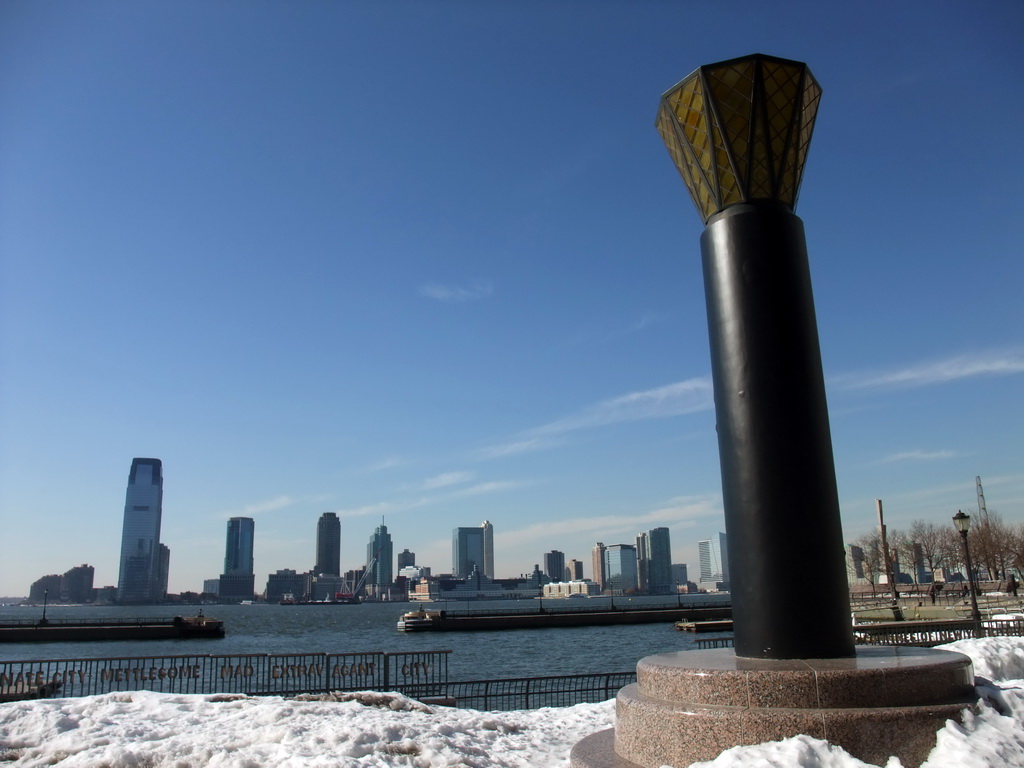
88 630
445 621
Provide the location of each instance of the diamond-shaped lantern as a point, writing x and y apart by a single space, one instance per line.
738 131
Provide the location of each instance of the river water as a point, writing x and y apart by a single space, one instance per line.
268 628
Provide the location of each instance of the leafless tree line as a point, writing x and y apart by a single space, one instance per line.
997 548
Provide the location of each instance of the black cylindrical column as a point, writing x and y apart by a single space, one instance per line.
785 542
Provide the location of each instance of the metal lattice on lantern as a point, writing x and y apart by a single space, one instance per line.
738 131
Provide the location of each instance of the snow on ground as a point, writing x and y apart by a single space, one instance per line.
143 729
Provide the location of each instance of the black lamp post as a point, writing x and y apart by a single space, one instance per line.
963 524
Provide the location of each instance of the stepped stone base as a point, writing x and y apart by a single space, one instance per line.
690 706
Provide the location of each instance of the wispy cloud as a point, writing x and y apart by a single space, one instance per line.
683 397
446 479
528 445
262 507
477 289
481 489
381 508
680 512
938 372
918 456
642 323
388 462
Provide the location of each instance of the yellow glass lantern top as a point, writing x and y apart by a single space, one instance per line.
739 130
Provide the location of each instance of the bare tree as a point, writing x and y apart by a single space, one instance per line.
951 548
929 537
1016 547
903 552
871 546
990 544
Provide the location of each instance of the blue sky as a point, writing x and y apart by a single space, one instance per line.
430 261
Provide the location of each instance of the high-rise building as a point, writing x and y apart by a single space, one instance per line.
574 570
620 569
659 562
285 582
380 552
238 550
643 552
163 569
554 565
680 575
406 559
714 559
597 564
143 565
328 545
41 589
76 584
488 564
473 547
236 583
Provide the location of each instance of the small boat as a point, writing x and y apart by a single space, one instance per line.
416 621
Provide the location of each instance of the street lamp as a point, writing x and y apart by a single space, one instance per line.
963 524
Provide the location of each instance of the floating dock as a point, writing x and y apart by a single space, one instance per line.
444 621
74 630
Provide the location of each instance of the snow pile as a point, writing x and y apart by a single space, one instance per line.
142 728
373 729
995 658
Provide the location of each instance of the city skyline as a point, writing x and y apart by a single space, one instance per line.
220 248
647 566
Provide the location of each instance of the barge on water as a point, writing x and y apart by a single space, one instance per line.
72 630
451 621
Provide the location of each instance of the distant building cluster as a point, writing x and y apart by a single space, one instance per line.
74 586
643 567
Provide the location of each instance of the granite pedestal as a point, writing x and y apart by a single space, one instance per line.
690 706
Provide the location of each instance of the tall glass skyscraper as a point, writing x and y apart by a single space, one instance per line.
714 559
382 573
236 583
620 569
473 547
238 552
659 562
328 545
144 561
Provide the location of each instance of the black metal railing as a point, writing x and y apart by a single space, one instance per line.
535 692
256 674
420 675
931 633
704 643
